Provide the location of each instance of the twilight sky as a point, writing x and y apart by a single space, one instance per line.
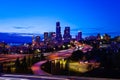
37 16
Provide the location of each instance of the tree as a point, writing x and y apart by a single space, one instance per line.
17 65
76 55
24 65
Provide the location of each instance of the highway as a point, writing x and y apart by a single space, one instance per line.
41 75
53 77
36 68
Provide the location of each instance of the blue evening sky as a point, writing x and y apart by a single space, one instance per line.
37 16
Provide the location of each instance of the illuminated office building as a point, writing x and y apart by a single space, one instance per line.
98 37
37 39
67 36
79 36
52 35
46 36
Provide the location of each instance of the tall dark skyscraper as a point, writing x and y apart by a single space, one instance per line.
67 36
58 32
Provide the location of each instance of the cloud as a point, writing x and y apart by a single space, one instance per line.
29 34
19 27
19 34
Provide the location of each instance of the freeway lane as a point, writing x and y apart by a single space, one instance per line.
60 54
12 57
36 68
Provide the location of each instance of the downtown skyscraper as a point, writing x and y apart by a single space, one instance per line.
67 36
58 32
79 36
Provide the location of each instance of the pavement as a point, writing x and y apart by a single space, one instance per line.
36 68
12 57
53 77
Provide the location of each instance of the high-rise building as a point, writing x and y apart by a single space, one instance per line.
67 36
106 37
46 36
79 37
58 32
52 35
49 37
76 37
37 39
33 38
98 36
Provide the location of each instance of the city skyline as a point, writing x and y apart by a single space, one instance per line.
34 16
59 39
